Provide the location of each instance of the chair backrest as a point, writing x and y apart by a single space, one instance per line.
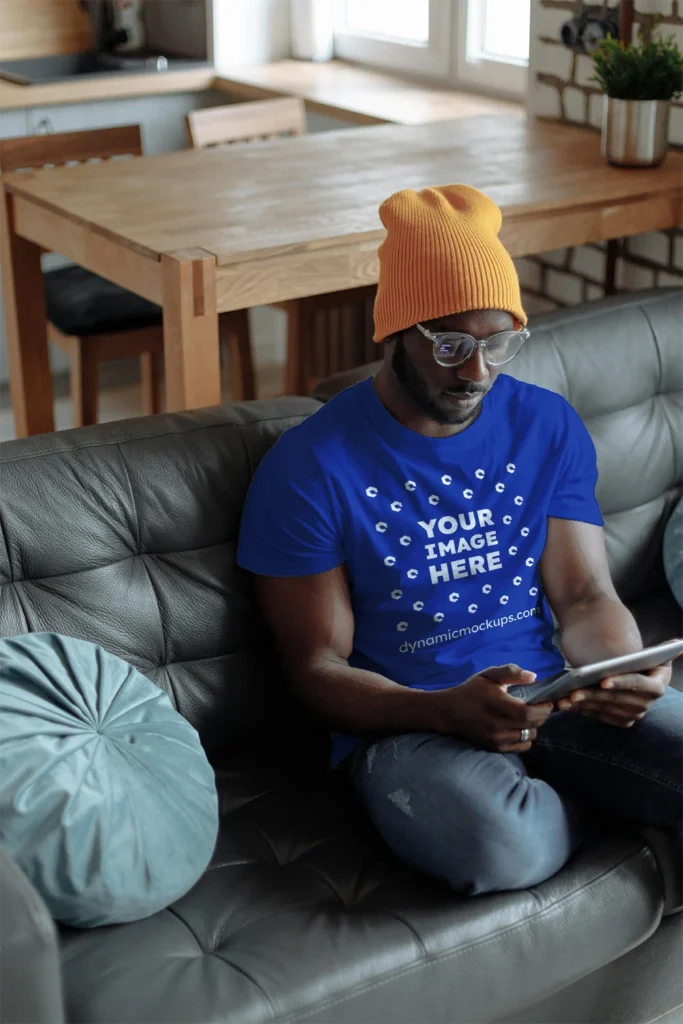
29 152
246 122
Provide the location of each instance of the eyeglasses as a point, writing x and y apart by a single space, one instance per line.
455 348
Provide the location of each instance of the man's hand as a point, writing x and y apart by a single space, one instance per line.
620 700
481 710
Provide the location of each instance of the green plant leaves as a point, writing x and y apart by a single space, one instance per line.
652 70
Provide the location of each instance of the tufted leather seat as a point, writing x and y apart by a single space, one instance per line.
304 916
125 534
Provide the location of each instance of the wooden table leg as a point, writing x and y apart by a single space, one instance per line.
299 344
191 351
23 293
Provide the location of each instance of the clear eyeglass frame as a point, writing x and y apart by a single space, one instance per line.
441 338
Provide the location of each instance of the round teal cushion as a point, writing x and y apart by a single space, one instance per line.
673 552
107 800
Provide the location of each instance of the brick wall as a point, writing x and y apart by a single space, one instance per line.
560 88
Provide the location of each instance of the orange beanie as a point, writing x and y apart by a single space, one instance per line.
442 255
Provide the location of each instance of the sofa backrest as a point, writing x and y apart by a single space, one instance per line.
619 362
125 534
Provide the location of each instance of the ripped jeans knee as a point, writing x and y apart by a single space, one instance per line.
457 812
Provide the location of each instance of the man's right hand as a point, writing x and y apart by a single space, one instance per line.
482 711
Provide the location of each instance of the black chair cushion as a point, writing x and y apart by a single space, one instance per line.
305 915
82 303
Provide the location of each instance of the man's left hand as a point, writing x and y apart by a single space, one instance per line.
620 700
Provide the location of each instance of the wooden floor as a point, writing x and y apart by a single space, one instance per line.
122 401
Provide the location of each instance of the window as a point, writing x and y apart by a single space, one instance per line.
481 44
493 44
405 35
406 20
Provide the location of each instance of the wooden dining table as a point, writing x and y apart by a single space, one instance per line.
202 232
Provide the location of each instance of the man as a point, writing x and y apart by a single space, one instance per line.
409 540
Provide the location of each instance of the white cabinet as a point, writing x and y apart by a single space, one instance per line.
326 123
12 123
162 118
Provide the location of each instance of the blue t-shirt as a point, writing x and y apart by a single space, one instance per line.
441 537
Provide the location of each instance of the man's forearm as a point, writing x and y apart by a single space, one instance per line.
598 629
356 701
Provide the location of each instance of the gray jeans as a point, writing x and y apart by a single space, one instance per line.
486 822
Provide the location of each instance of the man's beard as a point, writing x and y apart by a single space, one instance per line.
432 403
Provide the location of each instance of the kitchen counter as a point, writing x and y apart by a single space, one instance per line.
358 95
122 85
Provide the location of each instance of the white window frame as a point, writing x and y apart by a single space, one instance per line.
426 60
484 74
455 28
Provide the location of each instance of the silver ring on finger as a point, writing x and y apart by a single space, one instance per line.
524 735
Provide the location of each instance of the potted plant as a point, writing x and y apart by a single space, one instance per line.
639 82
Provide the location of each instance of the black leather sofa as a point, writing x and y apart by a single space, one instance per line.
125 534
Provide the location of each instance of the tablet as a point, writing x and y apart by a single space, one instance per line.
590 675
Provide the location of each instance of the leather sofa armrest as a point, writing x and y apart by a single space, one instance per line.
331 386
667 847
30 976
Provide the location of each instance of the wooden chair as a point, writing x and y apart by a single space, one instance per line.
93 320
246 122
214 127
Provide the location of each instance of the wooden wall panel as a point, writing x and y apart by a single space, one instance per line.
40 28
